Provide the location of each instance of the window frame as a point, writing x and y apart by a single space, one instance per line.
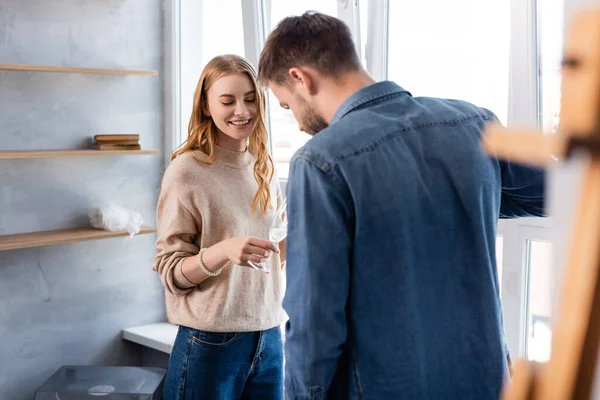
515 275
172 77
377 47
524 109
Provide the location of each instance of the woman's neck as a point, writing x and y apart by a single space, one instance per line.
230 143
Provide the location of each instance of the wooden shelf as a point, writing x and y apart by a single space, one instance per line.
75 70
52 238
15 154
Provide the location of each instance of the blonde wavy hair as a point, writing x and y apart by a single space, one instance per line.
202 131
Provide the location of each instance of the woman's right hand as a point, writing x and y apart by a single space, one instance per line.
241 249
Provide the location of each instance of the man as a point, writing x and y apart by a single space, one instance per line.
392 283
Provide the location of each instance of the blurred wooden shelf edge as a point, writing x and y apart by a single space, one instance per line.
17 154
75 70
53 238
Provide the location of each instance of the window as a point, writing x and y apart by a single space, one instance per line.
539 301
526 273
363 14
550 22
499 259
498 54
286 138
465 56
204 36
539 267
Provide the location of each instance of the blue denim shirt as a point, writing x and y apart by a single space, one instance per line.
391 266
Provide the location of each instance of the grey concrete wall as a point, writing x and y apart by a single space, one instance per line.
67 304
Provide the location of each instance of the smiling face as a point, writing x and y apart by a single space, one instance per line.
231 103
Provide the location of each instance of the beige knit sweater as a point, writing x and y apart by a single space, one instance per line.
199 206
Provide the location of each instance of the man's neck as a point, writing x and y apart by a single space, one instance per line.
340 89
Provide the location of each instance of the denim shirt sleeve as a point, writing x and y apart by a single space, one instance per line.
523 187
318 263
522 191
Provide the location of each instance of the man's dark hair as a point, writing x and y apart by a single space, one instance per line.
313 39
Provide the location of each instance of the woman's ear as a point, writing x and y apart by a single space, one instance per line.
205 110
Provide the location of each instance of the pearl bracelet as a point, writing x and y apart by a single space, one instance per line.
203 267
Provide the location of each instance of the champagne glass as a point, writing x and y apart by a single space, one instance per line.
277 232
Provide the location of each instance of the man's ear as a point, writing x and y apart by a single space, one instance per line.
303 78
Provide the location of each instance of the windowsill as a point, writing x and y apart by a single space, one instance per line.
540 222
160 336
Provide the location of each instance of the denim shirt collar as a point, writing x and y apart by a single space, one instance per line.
365 95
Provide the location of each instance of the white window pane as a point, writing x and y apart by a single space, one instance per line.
551 14
539 302
499 260
363 8
539 253
452 49
202 22
285 135
222 29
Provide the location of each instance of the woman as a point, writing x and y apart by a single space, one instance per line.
217 199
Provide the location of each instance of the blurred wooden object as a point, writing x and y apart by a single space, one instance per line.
570 372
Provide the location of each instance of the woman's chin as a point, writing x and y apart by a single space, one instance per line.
231 137
239 134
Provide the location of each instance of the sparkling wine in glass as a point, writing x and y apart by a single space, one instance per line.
277 232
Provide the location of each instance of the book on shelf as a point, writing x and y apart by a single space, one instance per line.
104 146
122 142
100 138
117 142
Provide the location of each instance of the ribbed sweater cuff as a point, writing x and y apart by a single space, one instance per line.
180 280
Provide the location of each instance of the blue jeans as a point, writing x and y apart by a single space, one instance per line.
226 365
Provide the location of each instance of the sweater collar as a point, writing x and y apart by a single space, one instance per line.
234 159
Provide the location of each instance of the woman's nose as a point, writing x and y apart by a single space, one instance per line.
240 108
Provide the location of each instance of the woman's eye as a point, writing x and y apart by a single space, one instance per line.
250 100
227 104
